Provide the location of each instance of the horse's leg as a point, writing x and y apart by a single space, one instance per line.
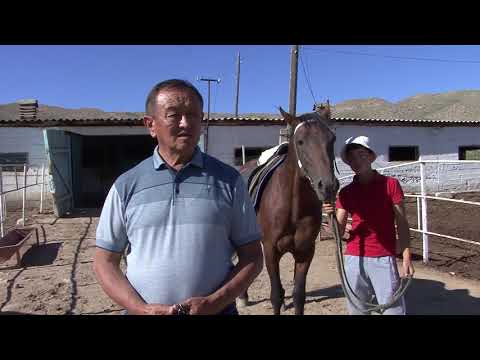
277 293
301 270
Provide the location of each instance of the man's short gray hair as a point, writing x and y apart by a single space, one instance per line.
168 84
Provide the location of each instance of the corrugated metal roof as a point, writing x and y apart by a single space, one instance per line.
407 121
47 115
136 119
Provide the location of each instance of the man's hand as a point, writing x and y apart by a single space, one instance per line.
341 216
407 267
201 306
328 208
154 309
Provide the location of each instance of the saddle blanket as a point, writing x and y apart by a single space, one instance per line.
266 164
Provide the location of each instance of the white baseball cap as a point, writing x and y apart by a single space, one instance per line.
360 140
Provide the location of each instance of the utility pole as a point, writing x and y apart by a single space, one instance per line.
238 84
208 80
286 133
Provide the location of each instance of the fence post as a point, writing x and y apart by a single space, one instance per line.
42 186
1 202
419 214
24 192
16 178
4 196
243 154
424 212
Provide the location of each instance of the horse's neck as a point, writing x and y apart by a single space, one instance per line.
291 162
303 200
300 189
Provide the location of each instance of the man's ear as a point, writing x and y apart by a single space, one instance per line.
148 122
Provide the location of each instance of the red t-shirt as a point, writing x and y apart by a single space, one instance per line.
373 218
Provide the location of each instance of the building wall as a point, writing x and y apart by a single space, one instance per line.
224 139
433 143
106 130
29 140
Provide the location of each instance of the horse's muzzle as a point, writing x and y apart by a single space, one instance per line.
327 191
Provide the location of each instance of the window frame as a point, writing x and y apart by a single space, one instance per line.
415 148
15 166
462 150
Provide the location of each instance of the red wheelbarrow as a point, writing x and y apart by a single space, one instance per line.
12 242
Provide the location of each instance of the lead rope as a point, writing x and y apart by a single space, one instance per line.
380 308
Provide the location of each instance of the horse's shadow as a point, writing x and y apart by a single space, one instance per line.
314 296
319 295
430 297
423 297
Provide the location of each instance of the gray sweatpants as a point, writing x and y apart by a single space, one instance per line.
370 276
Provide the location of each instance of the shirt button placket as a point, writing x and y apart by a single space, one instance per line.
176 189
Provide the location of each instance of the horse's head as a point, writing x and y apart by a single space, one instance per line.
313 140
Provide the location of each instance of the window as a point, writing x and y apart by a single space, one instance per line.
13 159
469 152
403 153
250 154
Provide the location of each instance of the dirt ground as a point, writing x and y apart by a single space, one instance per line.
57 277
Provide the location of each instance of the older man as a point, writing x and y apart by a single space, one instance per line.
183 213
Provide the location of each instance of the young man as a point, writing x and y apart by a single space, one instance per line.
375 203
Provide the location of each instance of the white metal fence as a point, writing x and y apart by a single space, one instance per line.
19 186
422 216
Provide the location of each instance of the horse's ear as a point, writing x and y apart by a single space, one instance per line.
324 110
288 118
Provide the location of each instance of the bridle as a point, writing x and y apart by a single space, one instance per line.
303 169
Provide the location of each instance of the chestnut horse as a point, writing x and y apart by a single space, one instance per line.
290 209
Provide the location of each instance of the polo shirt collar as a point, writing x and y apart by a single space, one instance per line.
197 159
376 177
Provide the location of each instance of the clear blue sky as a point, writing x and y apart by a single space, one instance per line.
117 78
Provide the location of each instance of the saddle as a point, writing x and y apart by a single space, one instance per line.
257 177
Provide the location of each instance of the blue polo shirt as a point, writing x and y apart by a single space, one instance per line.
183 227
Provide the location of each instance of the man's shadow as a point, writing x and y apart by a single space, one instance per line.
429 297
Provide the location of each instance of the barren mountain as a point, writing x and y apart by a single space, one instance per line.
460 105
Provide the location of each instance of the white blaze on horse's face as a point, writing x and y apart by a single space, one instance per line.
298 159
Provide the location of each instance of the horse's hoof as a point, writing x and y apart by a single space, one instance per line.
242 302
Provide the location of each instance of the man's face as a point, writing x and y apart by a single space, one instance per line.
177 120
360 159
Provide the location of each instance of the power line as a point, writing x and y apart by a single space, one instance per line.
346 52
215 93
307 78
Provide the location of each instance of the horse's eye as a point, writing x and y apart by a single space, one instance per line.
300 142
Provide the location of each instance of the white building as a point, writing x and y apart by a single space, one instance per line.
85 155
